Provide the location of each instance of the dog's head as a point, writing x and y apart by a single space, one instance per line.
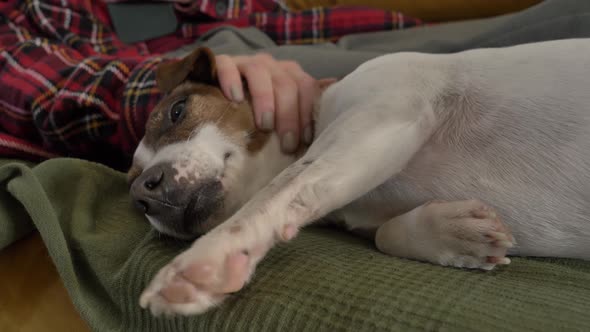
202 156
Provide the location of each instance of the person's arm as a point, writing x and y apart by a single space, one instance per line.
73 105
428 10
66 103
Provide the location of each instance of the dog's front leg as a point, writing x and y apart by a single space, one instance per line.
356 153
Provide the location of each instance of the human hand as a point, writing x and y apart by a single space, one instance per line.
282 94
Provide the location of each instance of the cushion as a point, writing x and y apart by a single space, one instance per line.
325 279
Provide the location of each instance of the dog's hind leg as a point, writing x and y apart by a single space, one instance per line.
459 233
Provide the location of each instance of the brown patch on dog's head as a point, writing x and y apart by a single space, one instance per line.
202 104
193 82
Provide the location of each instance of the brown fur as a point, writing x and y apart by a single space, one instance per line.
199 66
204 104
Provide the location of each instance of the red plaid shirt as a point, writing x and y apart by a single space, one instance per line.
70 87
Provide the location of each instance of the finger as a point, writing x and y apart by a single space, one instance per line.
307 89
260 86
229 78
287 109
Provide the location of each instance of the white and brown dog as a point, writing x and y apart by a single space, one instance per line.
403 145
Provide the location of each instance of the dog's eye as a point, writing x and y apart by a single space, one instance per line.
177 110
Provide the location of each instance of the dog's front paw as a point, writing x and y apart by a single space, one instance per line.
468 234
198 279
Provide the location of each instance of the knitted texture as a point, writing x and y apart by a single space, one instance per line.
324 280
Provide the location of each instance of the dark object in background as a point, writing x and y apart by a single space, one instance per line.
135 22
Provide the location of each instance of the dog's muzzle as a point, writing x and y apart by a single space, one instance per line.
179 208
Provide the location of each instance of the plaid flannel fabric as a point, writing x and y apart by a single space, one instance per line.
69 87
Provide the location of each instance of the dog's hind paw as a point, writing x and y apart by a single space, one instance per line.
469 234
465 234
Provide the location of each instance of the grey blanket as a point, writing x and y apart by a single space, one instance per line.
549 20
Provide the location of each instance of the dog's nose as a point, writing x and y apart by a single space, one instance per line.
149 190
153 178
178 206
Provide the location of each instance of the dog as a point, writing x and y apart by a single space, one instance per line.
453 159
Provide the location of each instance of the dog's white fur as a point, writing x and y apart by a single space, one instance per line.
509 126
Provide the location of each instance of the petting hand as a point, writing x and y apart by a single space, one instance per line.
282 94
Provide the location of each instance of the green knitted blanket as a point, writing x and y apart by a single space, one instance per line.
325 280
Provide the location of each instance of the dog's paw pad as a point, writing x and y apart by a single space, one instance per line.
194 287
288 233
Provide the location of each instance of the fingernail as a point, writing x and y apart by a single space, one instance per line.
236 93
288 143
307 135
268 121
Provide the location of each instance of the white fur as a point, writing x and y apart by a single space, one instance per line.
508 126
143 154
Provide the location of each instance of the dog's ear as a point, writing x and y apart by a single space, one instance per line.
199 66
